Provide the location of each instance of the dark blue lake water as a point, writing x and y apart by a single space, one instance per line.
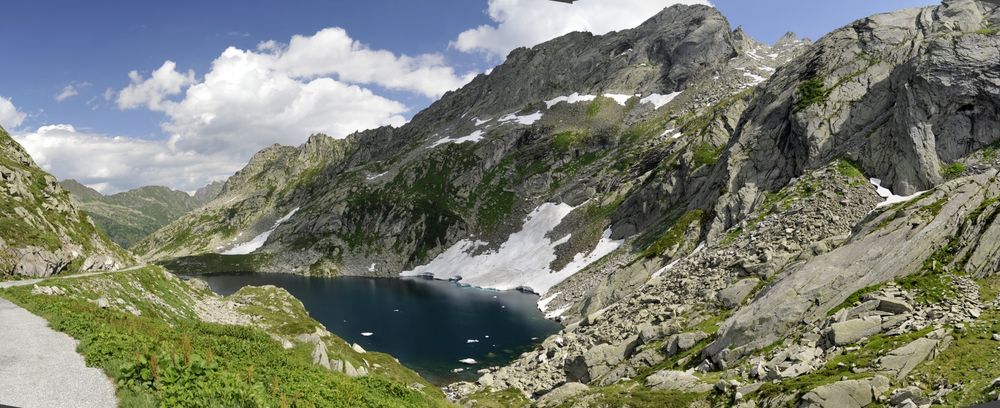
428 325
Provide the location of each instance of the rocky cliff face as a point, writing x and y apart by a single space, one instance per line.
686 198
42 232
129 216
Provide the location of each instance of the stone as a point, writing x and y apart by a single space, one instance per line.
562 394
913 394
319 355
358 349
846 394
682 342
668 380
900 362
851 331
893 305
734 295
103 303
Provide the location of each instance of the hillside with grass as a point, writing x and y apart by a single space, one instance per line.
130 216
173 343
42 232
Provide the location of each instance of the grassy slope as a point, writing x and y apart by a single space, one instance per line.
18 232
169 357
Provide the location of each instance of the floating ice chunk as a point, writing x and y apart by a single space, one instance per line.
524 120
457 370
469 341
574 98
469 361
367 334
258 241
889 197
658 100
474 137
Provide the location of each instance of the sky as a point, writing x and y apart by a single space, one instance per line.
120 94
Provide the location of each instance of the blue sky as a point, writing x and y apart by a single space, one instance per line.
89 48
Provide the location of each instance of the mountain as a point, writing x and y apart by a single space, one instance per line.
42 232
129 216
713 218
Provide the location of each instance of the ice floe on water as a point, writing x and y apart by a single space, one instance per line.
469 341
469 361
522 261
889 197
367 334
474 137
258 241
658 101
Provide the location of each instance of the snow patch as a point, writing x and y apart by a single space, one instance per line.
474 137
258 241
754 78
620 98
658 100
376 176
574 98
372 267
889 197
481 122
520 262
556 313
524 120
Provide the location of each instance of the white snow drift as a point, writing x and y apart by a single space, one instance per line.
889 197
258 241
474 137
520 262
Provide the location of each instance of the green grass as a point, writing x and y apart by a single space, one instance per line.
631 394
854 299
509 397
167 357
811 92
851 171
565 141
953 171
704 154
839 367
675 235
972 360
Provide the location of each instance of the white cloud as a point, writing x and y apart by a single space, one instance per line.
332 52
526 23
111 164
68 91
10 116
282 93
150 92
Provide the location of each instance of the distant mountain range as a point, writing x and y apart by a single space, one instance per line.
129 216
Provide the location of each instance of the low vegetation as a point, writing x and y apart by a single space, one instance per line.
163 354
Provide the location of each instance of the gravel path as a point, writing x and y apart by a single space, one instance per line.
39 367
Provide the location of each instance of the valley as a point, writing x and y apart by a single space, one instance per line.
670 215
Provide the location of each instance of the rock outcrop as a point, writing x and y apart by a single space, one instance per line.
42 232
